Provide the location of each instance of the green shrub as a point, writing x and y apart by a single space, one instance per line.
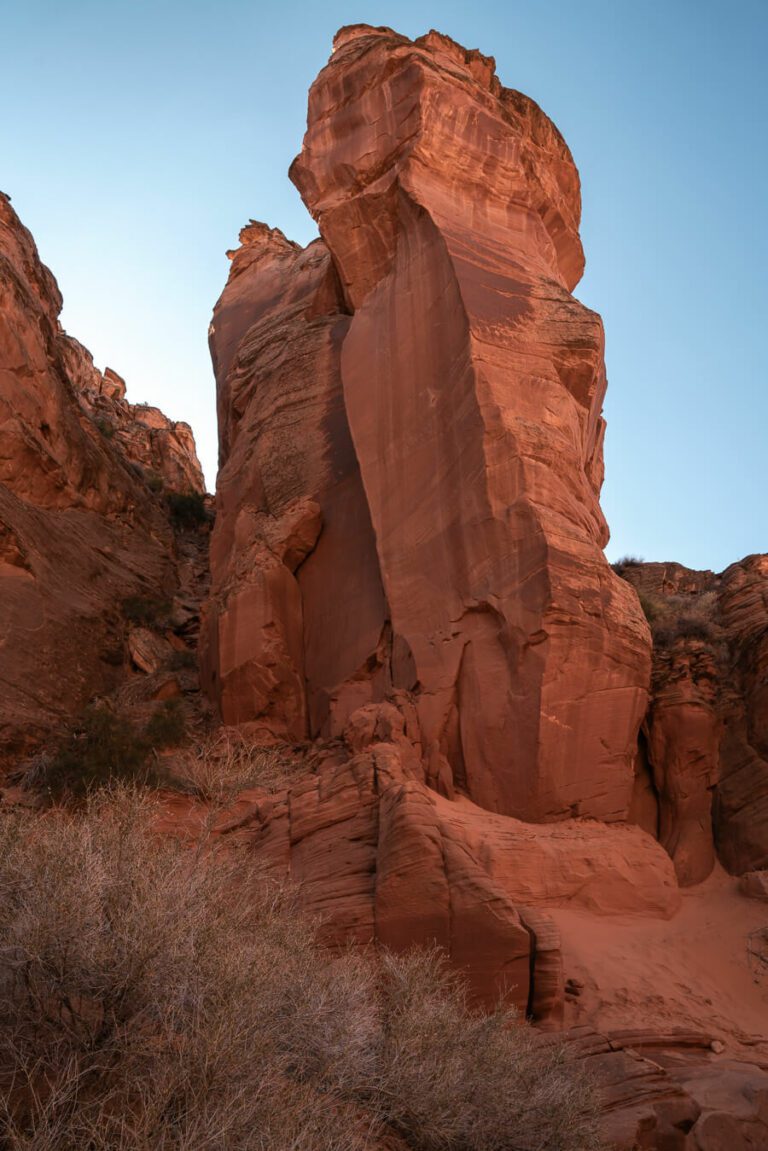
100 748
155 996
103 747
187 509
105 427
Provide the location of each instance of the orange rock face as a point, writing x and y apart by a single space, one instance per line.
80 530
382 856
412 446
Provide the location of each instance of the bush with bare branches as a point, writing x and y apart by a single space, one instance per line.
154 996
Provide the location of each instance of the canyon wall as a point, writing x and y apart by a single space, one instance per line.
83 525
496 742
702 773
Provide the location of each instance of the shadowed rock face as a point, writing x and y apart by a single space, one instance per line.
702 776
80 529
411 446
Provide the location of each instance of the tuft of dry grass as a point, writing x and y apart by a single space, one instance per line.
228 762
155 997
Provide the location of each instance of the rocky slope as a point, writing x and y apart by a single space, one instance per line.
408 585
83 523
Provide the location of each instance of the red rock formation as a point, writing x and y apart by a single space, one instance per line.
381 856
672 1092
298 608
80 531
408 576
706 728
741 823
438 450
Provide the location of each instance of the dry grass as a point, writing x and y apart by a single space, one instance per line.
155 998
228 763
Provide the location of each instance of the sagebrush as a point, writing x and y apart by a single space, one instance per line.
156 996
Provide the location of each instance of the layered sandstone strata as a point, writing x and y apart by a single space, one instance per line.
411 446
80 529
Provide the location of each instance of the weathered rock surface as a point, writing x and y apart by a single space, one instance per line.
411 446
382 856
80 530
669 1092
706 733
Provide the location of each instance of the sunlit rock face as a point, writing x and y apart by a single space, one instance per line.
81 528
411 446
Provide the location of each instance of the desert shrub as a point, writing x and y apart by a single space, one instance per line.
627 562
686 617
153 481
167 726
156 996
228 762
187 509
146 611
100 748
695 627
458 1079
151 997
105 427
653 609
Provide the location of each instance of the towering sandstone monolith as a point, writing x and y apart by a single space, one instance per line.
411 446
408 584
83 526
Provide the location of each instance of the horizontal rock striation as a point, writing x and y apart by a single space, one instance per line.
382 856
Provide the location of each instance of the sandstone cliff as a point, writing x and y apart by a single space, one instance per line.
411 445
408 585
83 525
407 563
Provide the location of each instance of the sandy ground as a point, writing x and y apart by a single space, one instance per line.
705 969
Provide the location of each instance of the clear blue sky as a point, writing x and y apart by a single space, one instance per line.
137 138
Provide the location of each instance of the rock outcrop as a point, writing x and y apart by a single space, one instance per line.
81 530
411 446
380 855
702 775
407 567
